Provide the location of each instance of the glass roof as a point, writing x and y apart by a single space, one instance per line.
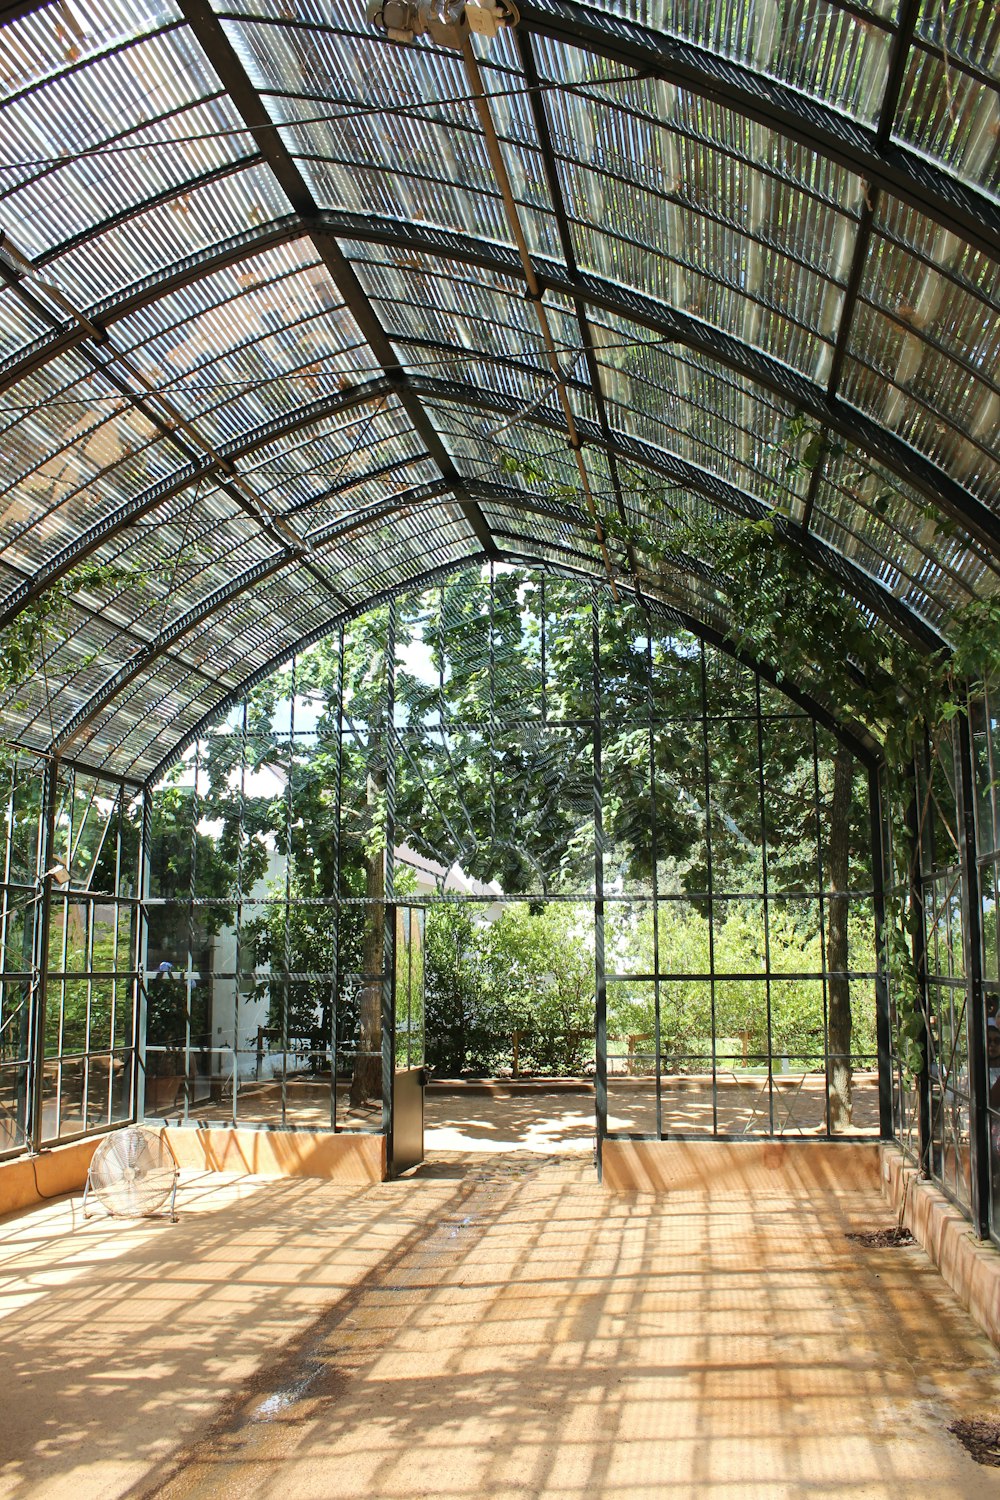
276 340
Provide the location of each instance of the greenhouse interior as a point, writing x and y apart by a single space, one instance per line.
500 748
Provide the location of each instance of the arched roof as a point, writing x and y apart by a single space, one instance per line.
268 326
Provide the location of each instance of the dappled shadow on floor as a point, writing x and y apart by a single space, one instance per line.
543 1120
512 1331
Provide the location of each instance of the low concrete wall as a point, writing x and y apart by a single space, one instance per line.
970 1266
30 1180
353 1160
356 1160
758 1167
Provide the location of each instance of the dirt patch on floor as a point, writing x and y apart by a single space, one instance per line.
882 1239
981 1438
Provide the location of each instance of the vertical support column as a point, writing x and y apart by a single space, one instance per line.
114 1040
389 921
972 942
709 881
20 1022
141 961
918 939
189 970
600 973
883 1031
40 957
239 917
761 793
286 944
654 860
338 795
824 948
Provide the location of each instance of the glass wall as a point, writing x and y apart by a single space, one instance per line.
645 837
944 886
68 931
23 781
943 897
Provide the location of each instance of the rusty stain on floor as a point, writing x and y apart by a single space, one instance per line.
491 1326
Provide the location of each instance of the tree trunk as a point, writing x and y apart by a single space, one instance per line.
366 1081
839 989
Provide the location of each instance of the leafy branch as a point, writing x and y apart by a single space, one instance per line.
25 642
783 610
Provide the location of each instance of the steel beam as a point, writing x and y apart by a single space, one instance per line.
182 434
856 737
678 471
851 425
898 58
152 651
260 674
540 118
150 289
864 588
211 467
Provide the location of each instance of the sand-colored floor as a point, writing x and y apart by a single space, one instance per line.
497 1325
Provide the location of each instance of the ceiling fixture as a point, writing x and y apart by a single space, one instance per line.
444 21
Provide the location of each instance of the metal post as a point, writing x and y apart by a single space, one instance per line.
600 973
918 938
140 1008
338 795
883 1030
239 915
824 952
46 850
286 945
654 860
389 921
972 940
761 792
709 881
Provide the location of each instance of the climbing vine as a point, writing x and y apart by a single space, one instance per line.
783 610
26 643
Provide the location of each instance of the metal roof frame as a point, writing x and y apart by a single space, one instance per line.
732 379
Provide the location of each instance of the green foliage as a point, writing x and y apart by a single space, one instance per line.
783 610
531 972
25 641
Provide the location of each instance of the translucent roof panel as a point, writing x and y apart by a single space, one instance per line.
278 336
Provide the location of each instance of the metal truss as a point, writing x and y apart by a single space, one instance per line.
587 290
865 590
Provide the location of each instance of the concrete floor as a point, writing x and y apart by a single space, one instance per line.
496 1325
